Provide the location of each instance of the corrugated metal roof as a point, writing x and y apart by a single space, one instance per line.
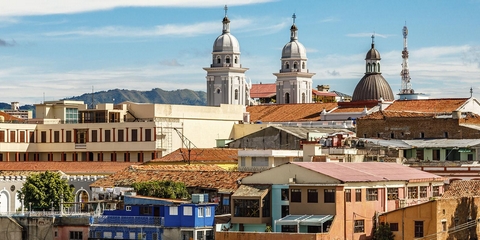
443 143
367 171
302 132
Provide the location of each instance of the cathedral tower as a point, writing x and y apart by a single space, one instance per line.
294 82
225 77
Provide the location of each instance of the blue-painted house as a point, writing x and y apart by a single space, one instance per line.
140 217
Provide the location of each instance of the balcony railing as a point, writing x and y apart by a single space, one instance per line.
126 220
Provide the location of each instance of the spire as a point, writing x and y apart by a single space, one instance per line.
226 22
471 92
293 29
373 40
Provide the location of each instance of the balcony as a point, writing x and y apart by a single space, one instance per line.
126 220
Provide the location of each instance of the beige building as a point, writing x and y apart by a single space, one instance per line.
127 132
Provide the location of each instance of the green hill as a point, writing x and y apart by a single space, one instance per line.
156 95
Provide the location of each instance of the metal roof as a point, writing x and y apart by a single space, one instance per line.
307 220
423 143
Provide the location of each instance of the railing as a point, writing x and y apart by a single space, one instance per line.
127 220
219 210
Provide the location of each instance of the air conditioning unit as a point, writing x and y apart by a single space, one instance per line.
291 180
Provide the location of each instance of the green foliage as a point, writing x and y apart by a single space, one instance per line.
162 189
44 188
383 232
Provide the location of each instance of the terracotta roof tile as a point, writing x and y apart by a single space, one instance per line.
462 188
393 114
263 90
66 167
288 112
445 105
321 93
201 155
201 176
9 118
349 109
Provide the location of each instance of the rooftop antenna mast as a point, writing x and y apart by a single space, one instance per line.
405 73
93 97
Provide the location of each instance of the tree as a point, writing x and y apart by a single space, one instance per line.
162 189
383 232
43 189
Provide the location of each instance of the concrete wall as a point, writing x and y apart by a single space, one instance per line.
270 236
10 229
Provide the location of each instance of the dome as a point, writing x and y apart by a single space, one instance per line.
226 43
294 49
372 87
372 54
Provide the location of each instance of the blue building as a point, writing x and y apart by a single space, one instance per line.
147 218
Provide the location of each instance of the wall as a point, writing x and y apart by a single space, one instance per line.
270 236
10 230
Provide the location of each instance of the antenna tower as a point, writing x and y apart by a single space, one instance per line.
405 73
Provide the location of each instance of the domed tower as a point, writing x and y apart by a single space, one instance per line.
225 76
372 86
294 82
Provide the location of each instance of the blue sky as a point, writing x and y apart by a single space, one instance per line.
51 49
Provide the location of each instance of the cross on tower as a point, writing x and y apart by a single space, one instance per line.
294 16
226 8
373 38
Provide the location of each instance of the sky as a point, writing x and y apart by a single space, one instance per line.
54 49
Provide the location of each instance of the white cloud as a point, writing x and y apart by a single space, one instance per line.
46 7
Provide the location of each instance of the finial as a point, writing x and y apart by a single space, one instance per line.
471 91
293 17
226 9
373 39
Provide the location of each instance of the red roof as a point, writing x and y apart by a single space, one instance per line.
368 171
288 112
462 188
201 176
263 90
445 105
200 155
67 167
9 118
321 93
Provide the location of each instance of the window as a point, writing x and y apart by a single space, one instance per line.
200 212
287 97
303 97
227 59
289 228
236 94
218 91
94 135
295 65
134 135
444 225
422 135
392 135
418 228
372 194
412 192
76 235
12 136
56 136
145 210
303 65
128 208
148 135
219 60
107 135
71 115
329 195
394 227
436 154
120 135
154 236
423 191
348 195
173 210
236 60
68 134
445 134
392 193
246 208
107 234
242 162
285 210
119 235
359 226
296 195
208 211
43 136
287 66
32 137
312 196
259 162
81 136
2 136
436 191
187 211
358 195
284 194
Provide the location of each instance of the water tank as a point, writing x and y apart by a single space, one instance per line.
198 198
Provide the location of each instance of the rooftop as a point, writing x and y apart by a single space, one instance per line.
462 188
263 90
203 155
288 112
444 105
92 168
200 176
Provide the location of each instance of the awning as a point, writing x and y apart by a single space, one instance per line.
306 220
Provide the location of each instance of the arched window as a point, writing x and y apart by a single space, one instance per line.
287 97
287 66
369 68
295 65
378 67
303 97
227 60
236 94
218 90
236 60
303 65
219 60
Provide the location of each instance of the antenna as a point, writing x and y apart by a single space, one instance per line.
93 97
471 92
406 87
